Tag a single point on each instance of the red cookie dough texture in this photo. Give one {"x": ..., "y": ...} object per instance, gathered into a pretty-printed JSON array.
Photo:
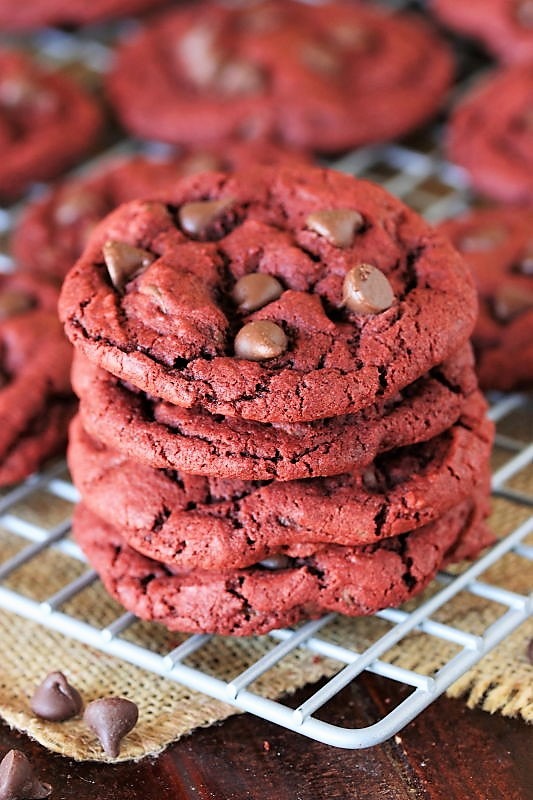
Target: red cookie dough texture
[
  {"x": 36, "y": 402},
  {"x": 497, "y": 244},
  {"x": 349, "y": 580},
  {"x": 505, "y": 27},
  {"x": 53, "y": 230},
  {"x": 326, "y": 77},
  {"x": 215, "y": 523},
  {"x": 47, "y": 122},
  {"x": 169, "y": 328},
  {"x": 490, "y": 135},
  {"x": 24, "y": 16}
]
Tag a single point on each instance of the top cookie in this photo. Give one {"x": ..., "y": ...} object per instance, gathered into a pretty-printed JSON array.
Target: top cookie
[
  {"x": 327, "y": 77},
  {"x": 491, "y": 135},
  {"x": 25, "y": 16},
  {"x": 46, "y": 123},
  {"x": 505, "y": 27},
  {"x": 53, "y": 230},
  {"x": 497, "y": 244},
  {"x": 275, "y": 295}
]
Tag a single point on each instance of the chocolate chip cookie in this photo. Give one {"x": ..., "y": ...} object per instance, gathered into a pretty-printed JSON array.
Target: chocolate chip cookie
[
  {"x": 53, "y": 230},
  {"x": 491, "y": 135},
  {"x": 497, "y": 244},
  {"x": 275, "y": 295},
  {"x": 161, "y": 435},
  {"x": 46, "y": 123},
  {"x": 36, "y": 402},
  {"x": 217, "y": 523},
  {"x": 326, "y": 77},
  {"x": 505, "y": 27},
  {"x": 349, "y": 580}
]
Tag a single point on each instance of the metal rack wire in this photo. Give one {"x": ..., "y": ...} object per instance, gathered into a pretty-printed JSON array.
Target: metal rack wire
[{"x": 416, "y": 172}]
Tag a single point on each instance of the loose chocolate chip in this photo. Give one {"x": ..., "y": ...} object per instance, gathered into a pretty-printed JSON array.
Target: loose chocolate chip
[
  {"x": 55, "y": 699},
  {"x": 123, "y": 261},
  {"x": 366, "y": 290},
  {"x": 255, "y": 291},
  {"x": 239, "y": 77},
  {"x": 201, "y": 162},
  {"x": 260, "y": 340},
  {"x": 111, "y": 718},
  {"x": 338, "y": 225},
  {"x": 524, "y": 13},
  {"x": 510, "y": 301},
  {"x": 13, "y": 302},
  {"x": 17, "y": 779},
  {"x": 195, "y": 218},
  {"x": 482, "y": 239},
  {"x": 275, "y": 562}
]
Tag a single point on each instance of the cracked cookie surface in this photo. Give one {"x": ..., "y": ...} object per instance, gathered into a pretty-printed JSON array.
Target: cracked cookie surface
[
  {"x": 490, "y": 135},
  {"x": 152, "y": 298},
  {"x": 36, "y": 400},
  {"x": 47, "y": 122},
  {"x": 497, "y": 244},
  {"x": 353, "y": 581},
  {"x": 161, "y": 435},
  {"x": 326, "y": 77},
  {"x": 215, "y": 523}
]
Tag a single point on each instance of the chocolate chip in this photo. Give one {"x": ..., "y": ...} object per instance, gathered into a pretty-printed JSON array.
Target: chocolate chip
[
  {"x": 239, "y": 77},
  {"x": 13, "y": 302},
  {"x": 17, "y": 779},
  {"x": 123, "y": 261},
  {"x": 524, "y": 13},
  {"x": 482, "y": 239},
  {"x": 352, "y": 37},
  {"x": 255, "y": 291},
  {"x": 201, "y": 162},
  {"x": 111, "y": 718},
  {"x": 55, "y": 699},
  {"x": 524, "y": 264},
  {"x": 510, "y": 301},
  {"x": 260, "y": 340},
  {"x": 320, "y": 58},
  {"x": 196, "y": 217},
  {"x": 366, "y": 290},
  {"x": 337, "y": 225},
  {"x": 275, "y": 562},
  {"x": 76, "y": 204},
  {"x": 201, "y": 54}
]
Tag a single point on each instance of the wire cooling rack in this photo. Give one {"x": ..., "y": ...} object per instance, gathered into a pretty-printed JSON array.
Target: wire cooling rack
[{"x": 415, "y": 171}]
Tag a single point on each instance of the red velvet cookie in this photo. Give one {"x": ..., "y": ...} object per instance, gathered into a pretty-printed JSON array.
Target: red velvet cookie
[
  {"x": 215, "y": 523},
  {"x": 46, "y": 123},
  {"x": 491, "y": 135},
  {"x": 326, "y": 77},
  {"x": 275, "y": 295},
  {"x": 497, "y": 244},
  {"x": 52, "y": 232},
  {"x": 349, "y": 580},
  {"x": 505, "y": 27},
  {"x": 23, "y": 16},
  {"x": 36, "y": 402},
  {"x": 194, "y": 441}
]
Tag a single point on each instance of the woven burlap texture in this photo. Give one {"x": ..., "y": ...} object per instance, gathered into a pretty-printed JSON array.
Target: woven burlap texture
[{"x": 502, "y": 682}]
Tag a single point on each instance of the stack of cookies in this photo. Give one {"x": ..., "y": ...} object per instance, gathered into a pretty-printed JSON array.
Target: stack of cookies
[{"x": 278, "y": 414}]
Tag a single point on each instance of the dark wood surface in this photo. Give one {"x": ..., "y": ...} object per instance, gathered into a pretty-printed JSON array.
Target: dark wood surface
[{"x": 448, "y": 753}]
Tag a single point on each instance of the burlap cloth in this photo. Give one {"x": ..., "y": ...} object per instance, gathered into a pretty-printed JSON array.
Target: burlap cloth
[{"x": 502, "y": 682}]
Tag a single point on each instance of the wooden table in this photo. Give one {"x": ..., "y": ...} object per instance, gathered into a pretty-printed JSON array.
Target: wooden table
[{"x": 447, "y": 753}]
